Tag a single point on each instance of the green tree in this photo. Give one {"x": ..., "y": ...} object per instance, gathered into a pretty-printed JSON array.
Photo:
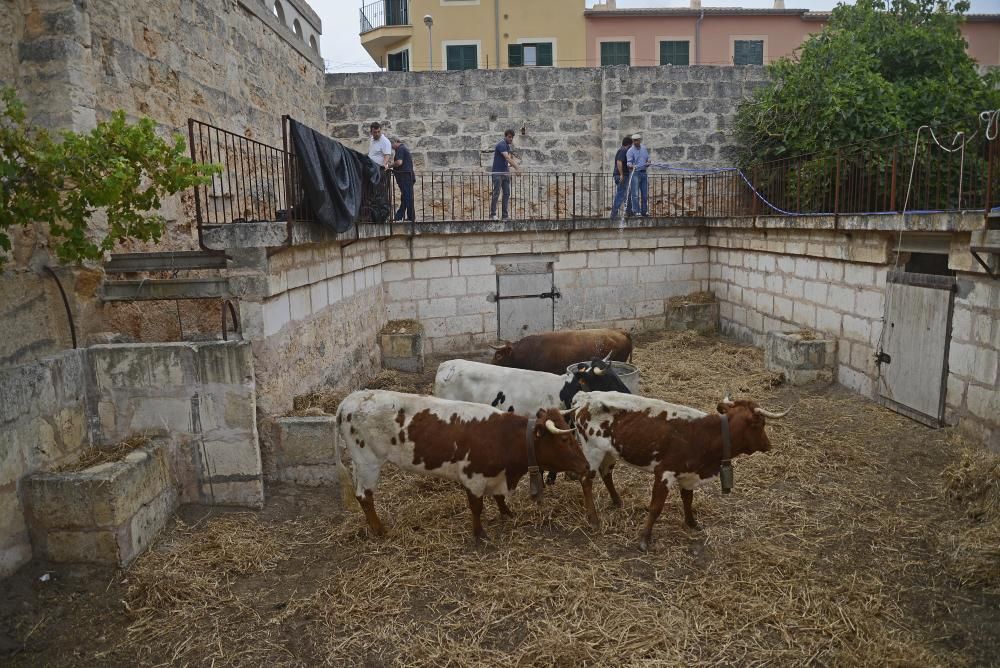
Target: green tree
[
  {"x": 878, "y": 68},
  {"x": 122, "y": 169}
]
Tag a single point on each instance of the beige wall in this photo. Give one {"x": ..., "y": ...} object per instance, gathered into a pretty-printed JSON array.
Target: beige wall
[
  {"x": 781, "y": 35},
  {"x": 474, "y": 21}
]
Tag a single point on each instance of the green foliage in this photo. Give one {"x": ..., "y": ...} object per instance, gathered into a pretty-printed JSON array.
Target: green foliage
[
  {"x": 121, "y": 169},
  {"x": 878, "y": 68}
]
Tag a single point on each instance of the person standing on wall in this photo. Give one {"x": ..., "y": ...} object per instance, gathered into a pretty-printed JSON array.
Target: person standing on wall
[
  {"x": 503, "y": 160},
  {"x": 380, "y": 152},
  {"x": 638, "y": 161},
  {"x": 405, "y": 178},
  {"x": 620, "y": 172},
  {"x": 379, "y": 147}
]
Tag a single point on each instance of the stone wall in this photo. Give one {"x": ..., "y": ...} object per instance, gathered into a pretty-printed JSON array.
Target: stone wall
[
  {"x": 43, "y": 424},
  {"x": 621, "y": 278},
  {"x": 973, "y": 397},
  {"x": 198, "y": 400},
  {"x": 315, "y": 324},
  {"x": 573, "y": 119}
]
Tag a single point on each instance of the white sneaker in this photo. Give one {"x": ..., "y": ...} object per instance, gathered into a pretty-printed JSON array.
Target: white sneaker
[{"x": 494, "y": 217}]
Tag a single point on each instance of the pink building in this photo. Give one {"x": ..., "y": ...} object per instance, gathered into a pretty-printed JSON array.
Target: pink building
[{"x": 728, "y": 35}]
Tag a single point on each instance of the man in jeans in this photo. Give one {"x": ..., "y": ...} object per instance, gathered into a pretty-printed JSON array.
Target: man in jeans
[
  {"x": 620, "y": 172},
  {"x": 403, "y": 169},
  {"x": 501, "y": 174},
  {"x": 638, "y": 162}
]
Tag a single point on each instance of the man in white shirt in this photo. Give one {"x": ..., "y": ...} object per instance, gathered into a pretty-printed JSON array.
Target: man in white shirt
[{"x": 379, "y": 147}]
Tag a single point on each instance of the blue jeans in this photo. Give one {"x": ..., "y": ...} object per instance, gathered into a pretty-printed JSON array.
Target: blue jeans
[
  {"x": 500, "y": 182},
  {"x": 621, "y": 187},
  {"x": 405, "y": 182},
  {"x": 640, "y": 184}
]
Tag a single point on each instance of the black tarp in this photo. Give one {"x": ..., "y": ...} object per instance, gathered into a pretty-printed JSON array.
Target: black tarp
[{"x": 333, "y": 177}]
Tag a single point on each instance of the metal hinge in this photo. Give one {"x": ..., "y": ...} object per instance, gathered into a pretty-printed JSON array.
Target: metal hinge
[{"x": 493, "y": 297}]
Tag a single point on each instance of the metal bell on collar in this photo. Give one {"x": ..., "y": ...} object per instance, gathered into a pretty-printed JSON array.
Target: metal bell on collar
[{"x": 726, "y": 477}]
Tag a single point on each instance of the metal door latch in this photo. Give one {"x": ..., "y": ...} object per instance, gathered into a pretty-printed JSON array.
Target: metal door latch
[{"x": 882, "y": 357}]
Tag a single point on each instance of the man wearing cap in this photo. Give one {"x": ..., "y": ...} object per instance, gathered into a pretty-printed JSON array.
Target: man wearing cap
[{"x": 638, "y": 162}]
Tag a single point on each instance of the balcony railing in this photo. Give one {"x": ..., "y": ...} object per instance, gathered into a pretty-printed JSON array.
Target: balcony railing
[{"x": 375, "y": 15}]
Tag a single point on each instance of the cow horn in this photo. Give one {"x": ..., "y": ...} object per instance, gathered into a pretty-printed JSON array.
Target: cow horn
[
  {"x": 568, "y": 411},
  {"x": 727, "y": 401},
  {"x": 769, "y": 414},
  {"x": 553, "y": 429},
  {"x": 498, "y": 347},
  {"x": 607, "y": 359}
]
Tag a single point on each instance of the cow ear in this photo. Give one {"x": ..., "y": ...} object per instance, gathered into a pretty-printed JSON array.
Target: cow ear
[
  {"x": 540, "y": 413},
  {"x": 722, "y": 407}
]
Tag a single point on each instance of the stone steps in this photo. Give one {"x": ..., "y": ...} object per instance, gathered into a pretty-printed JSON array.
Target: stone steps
[{"x": 123, "y": 263}]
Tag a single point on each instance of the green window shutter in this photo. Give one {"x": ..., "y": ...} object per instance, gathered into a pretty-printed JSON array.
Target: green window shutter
[
  {"x": 544, "y": 54},
  {"x": 748, "y": 52},
  {"x": 615, "y": 53},
  {"x": 675, "y": 53},
  {"x": 462, "y": 57},
  {"x": 515, "y": 55}
]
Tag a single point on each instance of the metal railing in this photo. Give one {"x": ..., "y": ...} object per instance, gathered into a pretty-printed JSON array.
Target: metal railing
[{"x": 375, "y": 15}]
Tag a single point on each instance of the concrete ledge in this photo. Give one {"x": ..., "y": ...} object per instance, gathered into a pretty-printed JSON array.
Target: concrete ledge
[
  {"x": 256, "y": 234},
  {"x": 802, "y": 359},
  {"x": 106, "y": 514},
  {"x": 300, "y": 450}
]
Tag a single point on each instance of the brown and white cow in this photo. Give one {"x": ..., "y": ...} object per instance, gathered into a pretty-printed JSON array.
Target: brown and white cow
[
  {"x": 680, "y": 446},
  {"x": 483, "y": 448},
  {"x": 555, "y": 351}
]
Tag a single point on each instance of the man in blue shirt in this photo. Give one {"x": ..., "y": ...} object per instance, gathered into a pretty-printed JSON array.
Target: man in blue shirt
[
  {"x": 620, "y": 172},
  {"x": 405, "y": 178},
  {"x": 500, "y": 174},
  {"x": 638, "y": 162}
]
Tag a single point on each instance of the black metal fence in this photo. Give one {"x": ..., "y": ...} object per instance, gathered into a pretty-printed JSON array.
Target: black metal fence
[{"x": 375, "y": 15}]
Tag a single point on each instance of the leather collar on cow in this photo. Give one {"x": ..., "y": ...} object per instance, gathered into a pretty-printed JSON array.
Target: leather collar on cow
[
  {"x": 726, "y": 471},
  {"x": 534, "y": 473}
]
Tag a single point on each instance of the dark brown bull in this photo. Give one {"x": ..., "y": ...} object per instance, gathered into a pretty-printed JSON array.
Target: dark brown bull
[{"x": 554, "y": 351}]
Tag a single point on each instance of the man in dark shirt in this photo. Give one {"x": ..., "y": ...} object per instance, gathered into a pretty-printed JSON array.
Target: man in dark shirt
[
  {"x": 500, "y": 173},
  {"x": 405, "y": 178},
  {"x": 620, "y": 171}
]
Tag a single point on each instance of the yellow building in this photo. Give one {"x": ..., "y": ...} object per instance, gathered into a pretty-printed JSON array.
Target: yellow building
[{"x": 418, "y": 35}]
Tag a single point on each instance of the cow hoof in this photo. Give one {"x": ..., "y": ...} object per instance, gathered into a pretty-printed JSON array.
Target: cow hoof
[
  {"x": 644, "y": 544},
  {"x": 617, "y": 503},
  {"x": 595, "y": 523},
  {"x": 694, "y": 526}
]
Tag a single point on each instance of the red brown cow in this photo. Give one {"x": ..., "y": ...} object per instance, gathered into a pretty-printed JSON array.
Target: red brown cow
[
  {"x": 485, "y": 449},
  {"x": 554, "y": 351},
  {"x": 680, "y": 446}
]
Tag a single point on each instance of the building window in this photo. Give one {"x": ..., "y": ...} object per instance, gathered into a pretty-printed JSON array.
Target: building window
[
  {"x": 313, "y": 43},
  {"x": 616, "y": 53},
  {"x": 279, "y": 11},
  {"x": 399, "y": 62},
  {"x": 675, "y": 52},
  {"x": 462, "y": 56},
  {"x": 748, "y": 52},
  {"x": 530, "y": 55},
  {"x": 297, "y": 29}
]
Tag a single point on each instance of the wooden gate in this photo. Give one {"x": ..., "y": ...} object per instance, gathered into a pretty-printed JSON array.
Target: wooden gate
[
  {"x": 914, "y": 358},
  {"x": 525, "y": 298}
]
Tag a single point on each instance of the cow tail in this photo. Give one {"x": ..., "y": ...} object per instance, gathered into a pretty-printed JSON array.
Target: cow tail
[{"x": 346, "y": 480}]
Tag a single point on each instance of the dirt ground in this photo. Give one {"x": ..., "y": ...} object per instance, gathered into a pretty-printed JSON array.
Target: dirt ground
[{"x": 840, "y": 546}]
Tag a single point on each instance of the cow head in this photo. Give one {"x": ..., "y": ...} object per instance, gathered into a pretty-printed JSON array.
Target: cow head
[
  {"x": 502, "y": 354},
  {"x": 556, "y": 447},
  {"x": 746, "y": 425},
  {"x": 597, "y": 376}
]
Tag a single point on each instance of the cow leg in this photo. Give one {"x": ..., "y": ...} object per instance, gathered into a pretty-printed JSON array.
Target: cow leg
[
  {"x": 607, "y": 466},
  {"x": 476, "y": 506},
  {"x": 687, "y": 495},
  {"x": 368, "y": 506},
  {"x": 502, "y": 505},
  {"x": 550, "y": 479},
  {"x": 655, "y": 507},
  {"x": 587, "y": 482}
]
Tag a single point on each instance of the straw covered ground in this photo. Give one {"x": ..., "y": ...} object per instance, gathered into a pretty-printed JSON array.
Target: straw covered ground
[{"x": 861, "y": 539}]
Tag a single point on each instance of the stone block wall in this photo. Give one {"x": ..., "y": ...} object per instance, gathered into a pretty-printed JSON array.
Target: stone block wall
[
  {"x": 573, "y": 119},
  {"x": 200, "y": 398},
  {"x": 317, "y": 321},
  {"x": 618, "y": 278},
  {"x": 43, "y": 424},
  {"x": 824, "y": 280},
  {"x": 973, "y": 393}
]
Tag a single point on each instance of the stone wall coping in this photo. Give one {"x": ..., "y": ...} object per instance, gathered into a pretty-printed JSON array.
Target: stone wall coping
[
  {"x": 285, "y": 32},
  {"x": 306, "y": 419}
]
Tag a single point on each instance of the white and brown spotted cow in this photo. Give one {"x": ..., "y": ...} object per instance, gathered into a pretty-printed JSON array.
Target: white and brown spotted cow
[
  {"x": 680, "y": 446},
  {"x": 481, "y": 447}
]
